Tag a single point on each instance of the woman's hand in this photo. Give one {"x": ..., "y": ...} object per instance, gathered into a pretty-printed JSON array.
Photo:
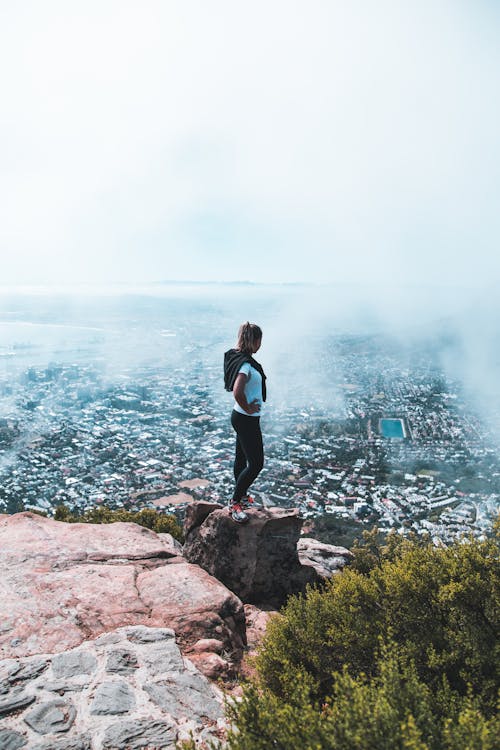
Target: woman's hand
[{"x": 254, "y": 407}]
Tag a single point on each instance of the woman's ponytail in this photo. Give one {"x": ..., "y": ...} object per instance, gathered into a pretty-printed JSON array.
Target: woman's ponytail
[{"x": 248, "y": 335}]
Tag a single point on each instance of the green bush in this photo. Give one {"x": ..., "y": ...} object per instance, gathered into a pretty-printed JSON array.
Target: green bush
[
  {"x": 393, "y": 710},
  {"x": 400, "y": 651},
  {"x": 151, "y": 519}
]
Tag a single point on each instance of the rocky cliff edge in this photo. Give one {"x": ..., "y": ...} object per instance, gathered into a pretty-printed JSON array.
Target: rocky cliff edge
[{"x": 104, "y": 628}]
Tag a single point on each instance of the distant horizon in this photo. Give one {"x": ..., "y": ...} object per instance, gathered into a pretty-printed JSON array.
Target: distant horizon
[{"x": 363, "y": 284}]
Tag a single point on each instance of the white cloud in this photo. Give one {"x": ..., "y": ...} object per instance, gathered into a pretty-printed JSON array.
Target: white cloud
[{"x": 270, "y": 141}]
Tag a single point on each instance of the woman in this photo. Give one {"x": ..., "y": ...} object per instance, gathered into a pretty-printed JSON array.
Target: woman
[{"x": 244, "y": 376}]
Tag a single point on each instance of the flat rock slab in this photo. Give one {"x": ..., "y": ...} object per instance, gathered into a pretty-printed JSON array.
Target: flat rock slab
[
  {"x": 164, "y": 657},
  {"x": 140, "y": 734},
  {"x": 64, "y": 583},
  {"x": 19, "y": 674},
  {"x": 155, "y": 704},
  {"x": 122, "y": 662},
  {"x": 73, "y": 663},
  {"x": 113, "y": 698},
  {"x": 82, "y": 742},
  {"x": 14, "y": 701},
  {"x": 10, "y": 740},
  {"x": 51, "y": 717},
  {"x": 183, "y": 694}
]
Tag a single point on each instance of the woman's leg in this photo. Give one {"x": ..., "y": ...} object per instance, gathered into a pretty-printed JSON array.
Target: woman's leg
[
  {"x": 240, "y": 460},
  {"x": 250, "y": 440}
]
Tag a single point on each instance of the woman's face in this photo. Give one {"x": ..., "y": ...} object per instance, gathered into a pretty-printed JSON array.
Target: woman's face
[{"x": 256, "y": 345}]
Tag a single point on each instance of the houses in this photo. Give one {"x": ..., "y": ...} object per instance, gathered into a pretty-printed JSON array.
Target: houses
[{"x": 158, "y": 437}]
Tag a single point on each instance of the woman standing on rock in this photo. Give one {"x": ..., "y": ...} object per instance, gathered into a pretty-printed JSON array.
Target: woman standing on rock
[{"x": 244, "y": 376}]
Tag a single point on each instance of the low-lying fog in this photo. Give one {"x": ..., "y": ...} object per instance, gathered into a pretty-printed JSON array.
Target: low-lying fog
[{"x": 190, "y": 326}]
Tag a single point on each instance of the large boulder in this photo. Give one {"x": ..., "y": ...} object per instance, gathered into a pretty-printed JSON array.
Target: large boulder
[
  {"x": 257, "y": 560},
  {"x": 64, "y": 583}
]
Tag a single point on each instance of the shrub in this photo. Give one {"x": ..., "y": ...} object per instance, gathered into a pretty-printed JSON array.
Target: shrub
[
  {"x": 393, "y": 710},
  {"x": 440, "y": 605},
  {"x": 151, "y": 519},
  {"x": 400, "y": 651}
]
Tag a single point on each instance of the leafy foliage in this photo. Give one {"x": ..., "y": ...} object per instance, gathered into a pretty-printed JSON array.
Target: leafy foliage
[
  {"x": 400, "y": 651},
  {"x": 391, "y": 711},
  {"x": 151, "y": 519}
]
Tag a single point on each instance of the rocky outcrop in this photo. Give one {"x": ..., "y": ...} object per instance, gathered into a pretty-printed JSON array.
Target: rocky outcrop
[
  {"x": 108, "y": 632},
  {"x": 130, "y": 688},
  {"x": 326, "y": 559},
  {"x": 64, "y": 583},
  {"x": 257, "y": 560}
]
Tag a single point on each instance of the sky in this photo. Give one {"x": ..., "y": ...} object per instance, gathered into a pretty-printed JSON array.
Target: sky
[{"x": 323, "y": 141}]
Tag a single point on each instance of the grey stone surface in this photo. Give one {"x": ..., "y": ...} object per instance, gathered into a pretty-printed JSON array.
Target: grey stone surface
[
  {"x": 113, "y": 698},
  {"x": 72, "y": 663},
  {"x": 78, "y": 742},
  {"x": 14, "y": 701},
  {"x": 142, "y": 634},
  {"x": 66, "y": 722},
  {"x": 183, "y": 694},
  {"x": 11, "y": 740},
  {"x": 134, "y": 735},
  {"x": 52, "y": 717},
  {"x": 107, "y": 639},
  {"x": 20, "y": 672},
  {"x": 6, "y": 665},
  {"x": 74, "y": 685},
  {"x": 122, "y": 661},
  {"x": 164, "y": 658}
]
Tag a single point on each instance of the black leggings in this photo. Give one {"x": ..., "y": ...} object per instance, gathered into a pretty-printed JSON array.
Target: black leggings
[{"x": 249, "y": 458}]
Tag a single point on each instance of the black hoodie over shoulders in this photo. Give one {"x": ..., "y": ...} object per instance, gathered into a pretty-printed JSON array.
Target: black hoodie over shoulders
[{"x": 233, "y": 359}]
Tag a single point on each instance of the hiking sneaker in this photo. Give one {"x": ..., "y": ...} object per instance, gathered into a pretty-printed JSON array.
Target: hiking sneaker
[
  {"x": 248, "y": 502},
  {"x": 237, "y": 513}
]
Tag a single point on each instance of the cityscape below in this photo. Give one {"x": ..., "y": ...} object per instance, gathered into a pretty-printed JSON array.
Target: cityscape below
[{"x": 129, "y": 410}]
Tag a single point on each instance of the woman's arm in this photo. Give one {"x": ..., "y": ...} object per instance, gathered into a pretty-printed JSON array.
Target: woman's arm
[{"x": 239, "y": 395}]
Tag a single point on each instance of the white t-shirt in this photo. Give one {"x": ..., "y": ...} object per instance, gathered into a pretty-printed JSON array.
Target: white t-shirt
[{"x": 253, "y": 389}]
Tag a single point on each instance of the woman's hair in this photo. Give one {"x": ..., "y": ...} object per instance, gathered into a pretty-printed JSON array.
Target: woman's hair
[{"x": 248, "y": 335}]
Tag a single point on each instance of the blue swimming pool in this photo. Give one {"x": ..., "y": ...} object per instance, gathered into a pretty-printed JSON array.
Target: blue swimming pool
[{"x": 392, "y": 428}]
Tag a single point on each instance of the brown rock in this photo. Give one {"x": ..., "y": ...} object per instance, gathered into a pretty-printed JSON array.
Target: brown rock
[
  {"x": 172, "y": 545},
  {"x": 212, "y": 665},
  {"x": 44, "y": 540},
  {"x": 196, "y": 514},
  {"x": 256, "y": 622},
  {"x": 326, "y": 559},
  {"x": 194, "y": 604},
  {"x": 257, "y": 560},
  {"x": 63, "y": 583},
  {"x": 208, "y": 644}
]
